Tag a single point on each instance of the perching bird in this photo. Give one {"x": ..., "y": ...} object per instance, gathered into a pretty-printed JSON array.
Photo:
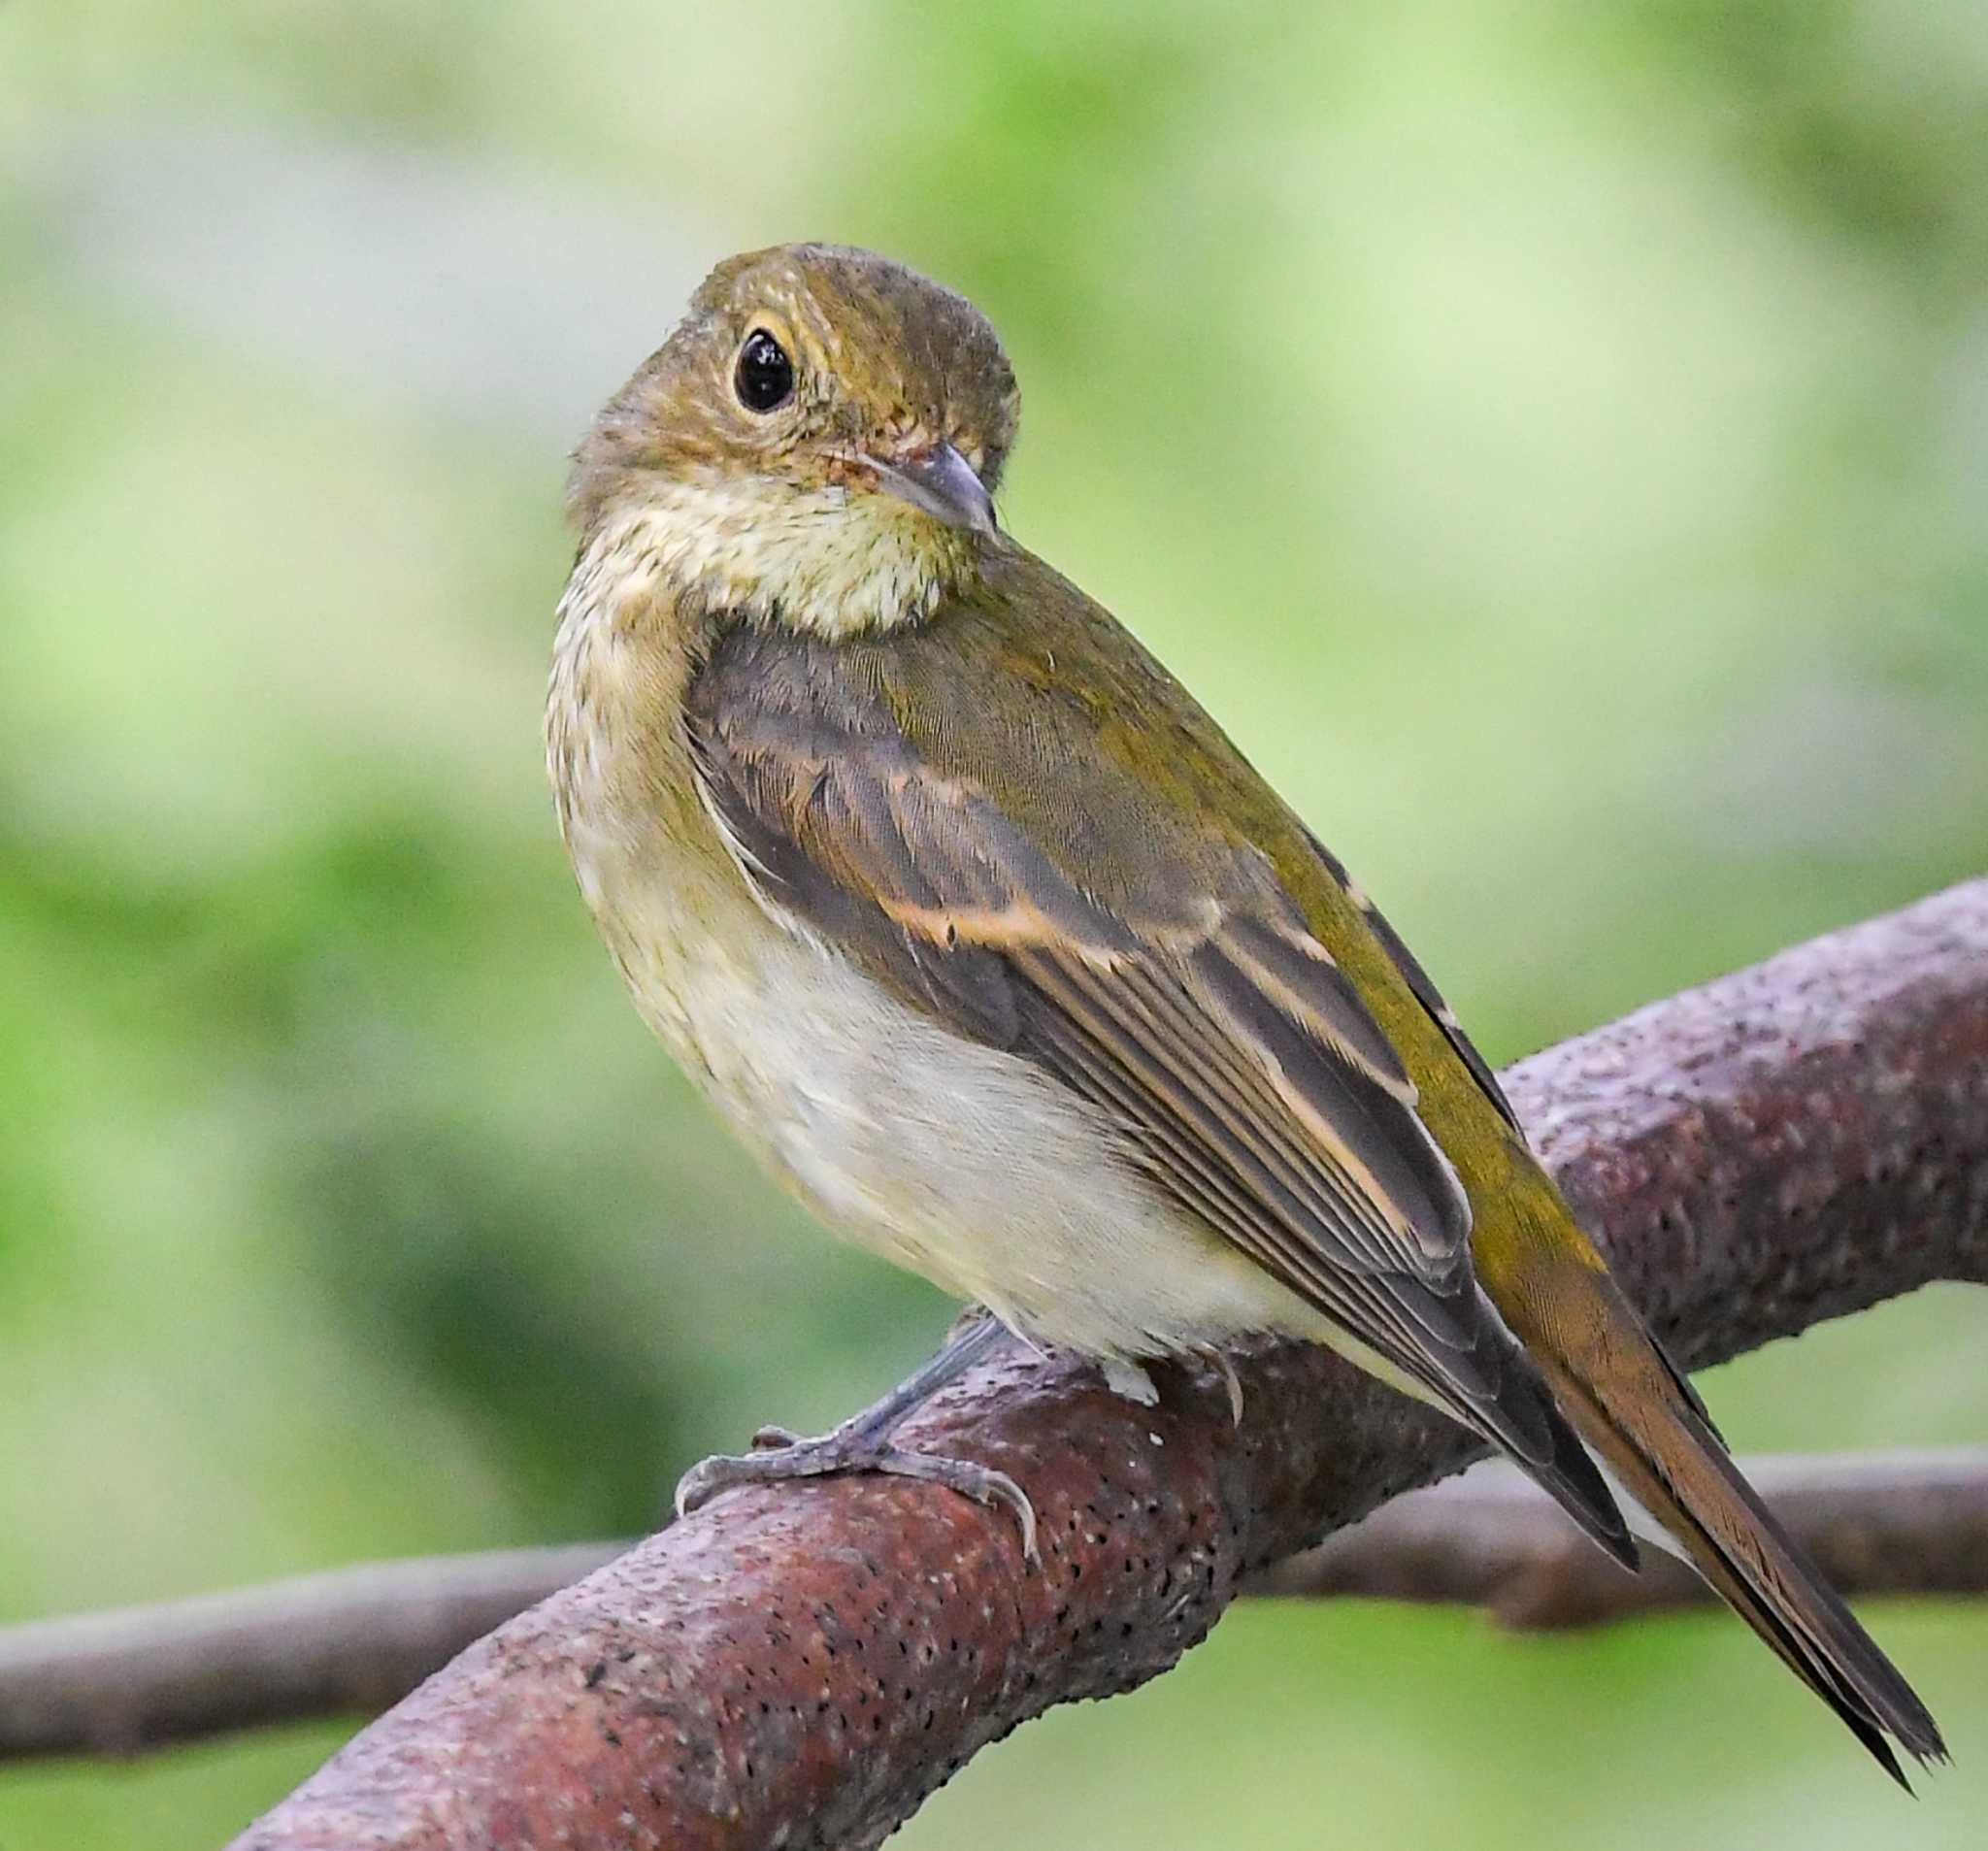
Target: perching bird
[{"x": 982, "y": 935}]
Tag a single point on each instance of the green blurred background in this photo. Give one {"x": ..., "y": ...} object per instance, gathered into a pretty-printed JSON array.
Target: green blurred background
[{"x": 1553, "y": 439}]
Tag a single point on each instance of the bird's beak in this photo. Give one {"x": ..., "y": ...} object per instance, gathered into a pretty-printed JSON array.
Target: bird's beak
[{"x": 939, "y": 481}]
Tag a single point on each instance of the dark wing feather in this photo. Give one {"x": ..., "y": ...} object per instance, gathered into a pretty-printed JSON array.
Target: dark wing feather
[
  {"x": 1238, "y": 1060},
  {"x": 1418, "y": 981}
]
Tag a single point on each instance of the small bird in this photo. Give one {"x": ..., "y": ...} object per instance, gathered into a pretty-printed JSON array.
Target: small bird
[{"x": 979, "y": 931}]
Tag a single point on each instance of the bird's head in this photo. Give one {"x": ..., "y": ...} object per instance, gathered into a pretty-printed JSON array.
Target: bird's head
[{"x": 818, "y": 443}]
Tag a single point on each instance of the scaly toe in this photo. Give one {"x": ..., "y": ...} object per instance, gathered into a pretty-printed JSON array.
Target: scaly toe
[
  {"x": 729, "y": 1470},
  {"x": 780, "y": 1456}
]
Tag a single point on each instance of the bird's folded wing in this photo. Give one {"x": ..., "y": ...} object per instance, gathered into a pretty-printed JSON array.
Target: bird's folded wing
[{"x": 1237, "y": 1061}]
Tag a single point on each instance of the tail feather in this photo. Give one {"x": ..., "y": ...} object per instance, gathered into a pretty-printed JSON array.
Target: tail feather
[
  {"x": 1670, "y": 1460},
  {"x": 1635, "y": 1407}
]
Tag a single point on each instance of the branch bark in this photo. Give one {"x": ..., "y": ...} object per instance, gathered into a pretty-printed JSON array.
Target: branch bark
[{"x": 802, "y": 1666}]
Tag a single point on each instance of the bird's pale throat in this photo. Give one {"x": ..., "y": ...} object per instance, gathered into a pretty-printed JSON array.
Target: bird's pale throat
[{"x": 832, "y": 560}]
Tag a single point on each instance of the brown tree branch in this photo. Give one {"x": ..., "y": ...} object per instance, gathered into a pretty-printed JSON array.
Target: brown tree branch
[
  {"x": 360, "y": 1639},
  {"x": 357, "y": 1639},
  {"x": 801, "y": 1666},
  {"x": 1889, "y": 1523}
]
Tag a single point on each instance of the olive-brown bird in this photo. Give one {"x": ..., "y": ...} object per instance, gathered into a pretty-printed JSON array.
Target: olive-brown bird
[{"x": 991, "y": 944}]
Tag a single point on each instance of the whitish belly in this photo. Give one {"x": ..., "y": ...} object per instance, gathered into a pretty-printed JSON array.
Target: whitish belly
[{"x": 962, "y": 1163}]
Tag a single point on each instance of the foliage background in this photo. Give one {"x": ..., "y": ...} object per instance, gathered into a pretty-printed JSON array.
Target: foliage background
[{"x": 1554, "y": 438}]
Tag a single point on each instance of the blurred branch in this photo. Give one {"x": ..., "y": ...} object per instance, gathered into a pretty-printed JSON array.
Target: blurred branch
[
  {"x": 320, "y": 1645},
  {"x": 1885, "y": 1523},
  {"x": 804, "y": 1664},
  {"x": 362, "y": 1638}
]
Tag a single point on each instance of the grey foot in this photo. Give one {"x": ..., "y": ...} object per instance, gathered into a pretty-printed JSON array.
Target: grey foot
[{"x": 778, "y": 1456}]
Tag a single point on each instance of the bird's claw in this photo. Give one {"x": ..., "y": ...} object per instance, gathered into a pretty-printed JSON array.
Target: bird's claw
[
  {"x": 779, "y": 1455},
  {"x": 1219, "y": 1359}
]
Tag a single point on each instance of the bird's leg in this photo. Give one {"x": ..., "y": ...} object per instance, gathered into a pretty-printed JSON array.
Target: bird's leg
[{"x": 863, "y": 1443}]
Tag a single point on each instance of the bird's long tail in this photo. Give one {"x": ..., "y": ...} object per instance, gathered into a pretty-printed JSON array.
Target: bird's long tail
[{"x": 1636, "y": 1409}]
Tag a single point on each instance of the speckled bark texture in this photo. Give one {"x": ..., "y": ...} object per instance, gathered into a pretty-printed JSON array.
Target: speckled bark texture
[{"x": 800, "y": 1666}]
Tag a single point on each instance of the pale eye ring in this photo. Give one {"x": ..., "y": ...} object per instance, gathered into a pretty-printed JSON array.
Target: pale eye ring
[{"x": 764, "y": 377}]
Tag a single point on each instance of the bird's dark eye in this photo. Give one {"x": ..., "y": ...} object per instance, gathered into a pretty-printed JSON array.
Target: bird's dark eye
[{"x": 765, "y": 377}]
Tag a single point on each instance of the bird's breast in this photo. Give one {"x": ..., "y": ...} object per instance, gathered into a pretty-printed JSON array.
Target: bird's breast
[{"x": 963, "y": 1162}]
